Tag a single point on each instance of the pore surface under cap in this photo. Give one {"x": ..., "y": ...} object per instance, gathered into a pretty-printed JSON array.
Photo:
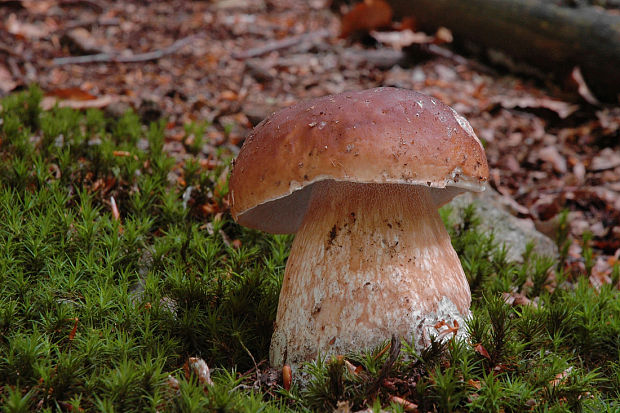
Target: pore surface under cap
[{"x": 382, "y": 135}]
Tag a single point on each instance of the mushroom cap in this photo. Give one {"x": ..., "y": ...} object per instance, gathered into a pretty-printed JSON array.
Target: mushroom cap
[{"x": 381, "y": 135}]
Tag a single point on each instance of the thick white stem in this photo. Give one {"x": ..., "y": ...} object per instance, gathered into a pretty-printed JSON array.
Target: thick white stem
[{"x": 369, "y": 261}]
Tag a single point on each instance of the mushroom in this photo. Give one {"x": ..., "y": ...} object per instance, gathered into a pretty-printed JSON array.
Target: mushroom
[{"x": 359, "y": 177}]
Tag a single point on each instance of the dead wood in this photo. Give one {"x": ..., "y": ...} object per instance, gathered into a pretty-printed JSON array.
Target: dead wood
[
  {"x": 552, "y": 38},
  {"x": 282, "y": 44}
]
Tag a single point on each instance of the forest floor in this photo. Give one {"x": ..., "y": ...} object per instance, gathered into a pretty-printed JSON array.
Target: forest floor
[
  {"x": 123, "y": 277},
  {"x": 223, "y": 66}
]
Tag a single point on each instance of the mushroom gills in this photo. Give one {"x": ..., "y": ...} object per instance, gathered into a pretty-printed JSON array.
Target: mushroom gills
[{"x": 369, "y": 261}]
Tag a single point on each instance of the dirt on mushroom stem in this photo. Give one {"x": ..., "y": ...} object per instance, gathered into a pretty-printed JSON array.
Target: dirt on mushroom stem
[{"x": 369, "y": 261}]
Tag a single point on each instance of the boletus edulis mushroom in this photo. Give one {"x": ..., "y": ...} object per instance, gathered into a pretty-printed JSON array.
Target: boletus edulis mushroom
[{"x": 359, "y": 177}]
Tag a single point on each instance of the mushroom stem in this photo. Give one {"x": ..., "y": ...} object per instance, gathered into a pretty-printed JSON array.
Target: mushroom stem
[{"x": 369, "y": 261}]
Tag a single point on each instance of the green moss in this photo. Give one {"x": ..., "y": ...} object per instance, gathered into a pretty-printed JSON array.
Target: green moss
[{"x": 100, "y": 313}]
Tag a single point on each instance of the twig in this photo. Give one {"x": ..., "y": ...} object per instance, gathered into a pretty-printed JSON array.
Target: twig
[
  {"x": 116, "y": 58},
  {"x": 282, "y": 44},
  {"x": 201, "y": 369},
  {"x": 257, "y": 383},
  {"x": 457, "y": 58}
]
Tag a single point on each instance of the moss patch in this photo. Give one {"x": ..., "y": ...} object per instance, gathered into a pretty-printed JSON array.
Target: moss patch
[{"x": 118, "y": 263}]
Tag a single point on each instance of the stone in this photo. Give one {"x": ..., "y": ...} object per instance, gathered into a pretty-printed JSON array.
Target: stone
[{"x": 513, "y": 232}]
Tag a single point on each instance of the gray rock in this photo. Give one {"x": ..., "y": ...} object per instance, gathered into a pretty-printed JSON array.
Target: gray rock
[{"x": 493, "y": 210}]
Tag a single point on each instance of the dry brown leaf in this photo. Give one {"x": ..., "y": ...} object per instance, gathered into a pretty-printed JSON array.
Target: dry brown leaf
[
  {"x": 579, "y": 171},
  {"x": 582, "y": 87},
  {"x": 115, "y": 213},
  {"x": 38, "y": 6},
  {"x": 26, "y": 30},
  {"x": 71, "y": 93},
  {"x": 400, "y": 39},
  {"x": 173, "y": 383},
  {"x": 366, "y": 16},
  {"x": 7, "y": 83},
  {"x": 351, "y": 367},
  {"x": 608, "y": 158},
  {"x": 440, "y": 324},
  {"x": 48, "y": 102},
  {"x": 551, "y": 155},
  {"x": 482, "y": 351},
  {"x": 474, "y": 383},
  {"x": 406, "y": 404},
  {"x": 443, "y": 35},
  {"x": 448, "y": 330},
  {"x": 514, "y": 298},
  {"x": 200, "y": 368},
  {"x": 82, "y": 40},
  {"x": 563, "y": 109},
  {"x": 74, "y": 329},
  {"x": 560, "y": 377}
]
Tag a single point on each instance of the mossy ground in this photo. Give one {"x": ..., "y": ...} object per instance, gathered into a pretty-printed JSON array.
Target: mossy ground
[{"x": 100, "y": 311}]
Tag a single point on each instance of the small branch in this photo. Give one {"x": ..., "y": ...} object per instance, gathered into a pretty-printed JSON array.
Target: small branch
[
  {"x": 282, "y": 44},
  {"x": 257, "y": 383},
  {"x": 115, "y": 58},
  {"x": 458, "y": 59}
]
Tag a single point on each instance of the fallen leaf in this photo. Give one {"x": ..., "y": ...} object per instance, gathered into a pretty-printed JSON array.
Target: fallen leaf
[
  {"x": 443, "y": 35},
  {"x": 563, "y": 109},
  {"x": 401, "y": 39},
  {"x": 173, "y": 383},
  {"x": 482, "y": 351},
  {"x": 389, "y": 384},
  {"x": 48, "y": 103},
  {"x": 38, "y": 6},
  {"x": 201, "y": 369},
  {"x": 81, "y": 41},
  {"x": 406, "y": 404},
  {"x": 74, "y": 329},
  {"x": 579, "y": 170},
  {"x": 72, "y": 93},
  {"x": 582, "y": 87},
  {"x": 115, "y": 213},
  {"x": 514, "y": 298},
  {"x": 561, "y": 377},
  {"x": 474, "y": 383},
  {"x": 608, "y": 158},
  {"x": 27, "y": 30},
  {"x": 448, "y": 330},
  {"x": 7, "y": 83},
  {"x": 551, "y": 155},
  {"x": 354, "y": 370},
  {"x": 366, "y": 16},
  {"x": 343, "y": 406}
]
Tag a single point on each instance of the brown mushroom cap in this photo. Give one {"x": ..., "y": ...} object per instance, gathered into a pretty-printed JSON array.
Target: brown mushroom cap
[{"x": 382, "y": 135}]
